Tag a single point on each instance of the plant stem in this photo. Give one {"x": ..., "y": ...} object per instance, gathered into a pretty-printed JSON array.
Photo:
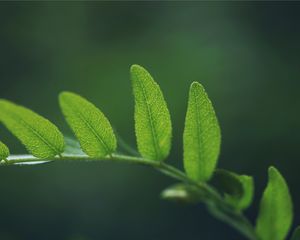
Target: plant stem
[{"x": 215, "y": 203}]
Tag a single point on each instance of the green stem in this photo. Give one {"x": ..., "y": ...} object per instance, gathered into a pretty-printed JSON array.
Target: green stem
[{"x": 215, "y": 203}]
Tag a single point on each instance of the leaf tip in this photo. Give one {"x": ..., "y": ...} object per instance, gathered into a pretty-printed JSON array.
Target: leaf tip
[
  {"x": 273, "y": 172},
  {"x": 135, "y": 67},
  {"x": 197, "y": 87},
  {"x": 196, "y": 84},
  {"x": 64, "y": 94},
  {"x": 137, "y": 71},
  {"x": 4, "y": 102}
]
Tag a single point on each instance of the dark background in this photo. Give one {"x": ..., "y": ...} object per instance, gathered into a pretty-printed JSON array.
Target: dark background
[{"x": 245, "y": 54}]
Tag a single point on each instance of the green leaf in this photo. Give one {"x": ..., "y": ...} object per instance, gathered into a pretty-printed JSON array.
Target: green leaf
[
  {"x": 182, "y": 193},
  {"x": 202, "y": 136},
  {"x": 296, "y": 234},
  {"x": 238, "y": 190},
  {"x": 275, "y": 214},
  {"x": 4, "y": 151},
  {"x": 152, "y": 118},
  {"x": 40, "y": 137},
  {"x": 91, "y": 127}
]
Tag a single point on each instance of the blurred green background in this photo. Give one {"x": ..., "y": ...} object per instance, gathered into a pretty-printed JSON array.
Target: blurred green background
[{"x": 245, "y": 54}]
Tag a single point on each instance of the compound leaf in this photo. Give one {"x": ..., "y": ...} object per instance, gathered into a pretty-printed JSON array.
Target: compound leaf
[
  {"x": 152, "y": 118},
  {"x": 237, "y": 189},
  {"x": 40, "y": 137},
  {"x": 4, "y": 151},
  {"x": 91, "y": 127},
  {"x": 202, "y": 136},
  {"x": 296, "y": 234},
  {"x": 275, "y": 214}
]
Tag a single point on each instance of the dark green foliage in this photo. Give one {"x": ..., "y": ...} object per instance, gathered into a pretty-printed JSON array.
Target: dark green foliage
[{"x": 296, "y": 234}]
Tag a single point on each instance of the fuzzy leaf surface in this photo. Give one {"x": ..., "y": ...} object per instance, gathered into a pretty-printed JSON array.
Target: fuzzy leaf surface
[
  {"x": 202, "y": 135},
  {"x": 276, "y": 209},
  {"x": 152, "y": 118},
  {"x": 40, "y": 137},
  {"x": 4, "y": 151},
  {"x": 90, "y": 126}
]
